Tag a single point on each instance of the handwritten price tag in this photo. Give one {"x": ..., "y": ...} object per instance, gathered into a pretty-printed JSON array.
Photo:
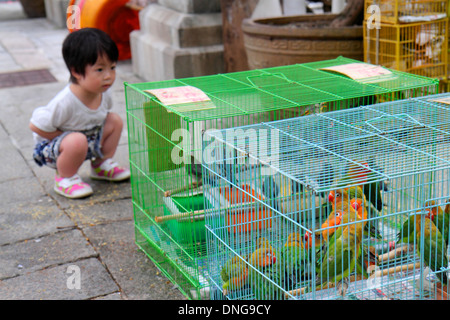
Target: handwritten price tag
[
  {"x": 445, "y": 100},
  {"x": 359, "y": 70},
  {"x": 179, "y": 95}
]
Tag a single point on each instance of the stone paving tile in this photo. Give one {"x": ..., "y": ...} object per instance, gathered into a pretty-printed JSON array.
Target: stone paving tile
[
  {"x": 139, "y": 278},
  {"x": 13, "y": 164},
  {"x": 60, "y": 283},
  {"x": 17, "y": 42},
  {"x": 32, "y": 59},
  {"x": 36, "y": 254},
  {"x": 23, "y": 220},
  {"x": 7, "y": 63},
  {"x": 23, "y": 191},
  {"x": 89, "y": 214}
]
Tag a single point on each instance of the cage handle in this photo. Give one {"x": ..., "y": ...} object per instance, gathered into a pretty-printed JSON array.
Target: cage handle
[
  {"x": 278, "y": 75},
  {"x": 396, "y": 116}
]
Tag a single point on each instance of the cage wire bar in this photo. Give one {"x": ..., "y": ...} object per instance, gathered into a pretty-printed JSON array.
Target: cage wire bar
[
  {"x": 165, "y": 146},
  {"x": 295, "y": 231}
]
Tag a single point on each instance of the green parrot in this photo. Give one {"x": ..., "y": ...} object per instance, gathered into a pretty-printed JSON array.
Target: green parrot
[
  {"x": 234, "y": 275},
  {"x": 356, "y": 192},
  {"x": 340, "y": 216},
  {"x": 360, "y": 175},
  {"x": 282, "y": 275},
  {"x": 357, "y": 208},
  {"x": 442, "y": 219},
  {"x": 434, "y": 248},
  {"x": 408, "y": 231},
  {"x": 367, "y": 255},
  {"x": 293, "y": 261},
  {"x": 340, "y": 258}
]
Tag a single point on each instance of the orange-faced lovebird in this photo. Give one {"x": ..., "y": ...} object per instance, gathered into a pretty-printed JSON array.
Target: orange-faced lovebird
[
  {"x": 272, "y": 281},
  {"x": 434, "y": 250},
  {"x": 234, "y": 274},
  {"x": 261, "y": 260},
  {"x": 340, "y": 258},
  {"x": 441, "y": 218}
]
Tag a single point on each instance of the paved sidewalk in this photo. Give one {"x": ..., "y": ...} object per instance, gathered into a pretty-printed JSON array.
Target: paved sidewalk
[{"x": 45, "y": 239}]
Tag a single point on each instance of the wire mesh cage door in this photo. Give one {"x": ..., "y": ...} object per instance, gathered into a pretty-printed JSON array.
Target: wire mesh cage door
[{"x": 342, "y": 185}]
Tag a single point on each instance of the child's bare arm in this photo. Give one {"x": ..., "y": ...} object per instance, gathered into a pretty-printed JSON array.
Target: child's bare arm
[{"x": 44, "y": 134}]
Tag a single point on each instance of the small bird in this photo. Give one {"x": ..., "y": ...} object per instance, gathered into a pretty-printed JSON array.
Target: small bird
[
  {"x": 271, "y": 192},
  {"x": 441, "y": 218},
  {"x": 407, "y": 233},
  {"x": 294, "y": 260},
  {"x": 313, "y": 240},
  {"x": 284, "y": 273},
  {"x": 345, "y": 214},
  {"x": 367, "y": 255},
  {"x": 434, "y": 250},
  {"x": 340, "y": 258},
  {"x": 358, "y": 201},
  {"x": 262, "y": 257},
  {"x": 334, "y": 218},
  {"x": 234, "y": 275},
  {"x": 361, "y": 174},
  {"x": 260, "y": 260},
  {"x": 339, "y": 200}
]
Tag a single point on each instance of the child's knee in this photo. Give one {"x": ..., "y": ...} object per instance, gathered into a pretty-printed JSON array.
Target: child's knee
[
  {"x": 114, "y": 120},
  {"x": 76, "y": 141}
]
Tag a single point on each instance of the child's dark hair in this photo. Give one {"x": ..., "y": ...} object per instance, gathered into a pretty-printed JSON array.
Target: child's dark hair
[{"x": 82, "y": 48}]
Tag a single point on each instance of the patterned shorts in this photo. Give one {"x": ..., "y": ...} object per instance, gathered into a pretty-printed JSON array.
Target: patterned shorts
[{"x": 47, "y": 151}]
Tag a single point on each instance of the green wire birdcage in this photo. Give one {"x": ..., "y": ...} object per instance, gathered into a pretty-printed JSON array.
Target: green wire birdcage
[
  {"x": 165, "y": 145},
  {"x": 287, "y": 237}
]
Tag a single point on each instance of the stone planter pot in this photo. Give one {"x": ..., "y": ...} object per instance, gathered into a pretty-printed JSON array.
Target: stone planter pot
[
  {"x": 33, "y": 8},
  {"x": 288, "y": 40}
]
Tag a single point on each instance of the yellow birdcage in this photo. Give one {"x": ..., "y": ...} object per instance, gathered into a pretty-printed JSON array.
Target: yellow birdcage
[
  {"x": 405, "y": 11},
  {"x": 419, "y": 48}
]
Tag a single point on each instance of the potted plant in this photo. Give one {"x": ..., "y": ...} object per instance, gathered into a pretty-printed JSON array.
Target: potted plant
[{"x": 305, "y": 38}]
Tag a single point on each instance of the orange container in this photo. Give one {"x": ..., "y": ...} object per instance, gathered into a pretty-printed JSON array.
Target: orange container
[
  {"x": 111, "y": 16},
  {"x": 247, "y": 218}
]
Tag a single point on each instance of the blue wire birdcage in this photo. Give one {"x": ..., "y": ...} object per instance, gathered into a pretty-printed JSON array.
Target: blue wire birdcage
[{"x": 285, "y": 220}]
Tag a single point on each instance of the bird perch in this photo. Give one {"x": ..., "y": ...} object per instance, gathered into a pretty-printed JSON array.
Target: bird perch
[
  {"x": 396, "y": 252},
  {"x": 192, "y": 185}
]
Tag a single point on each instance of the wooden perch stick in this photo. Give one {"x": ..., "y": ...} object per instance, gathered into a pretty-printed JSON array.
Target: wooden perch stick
[
  {"x": 195, "y": 214},
  {"x": 181, "y": 215},
  {"x": 193, "y": 185},
  {"x": 330, "y": 285},
  {"x": 396, "y": 252},
  {"x": 358, "y": 277},
  {"x": 403, "y": 267}
]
